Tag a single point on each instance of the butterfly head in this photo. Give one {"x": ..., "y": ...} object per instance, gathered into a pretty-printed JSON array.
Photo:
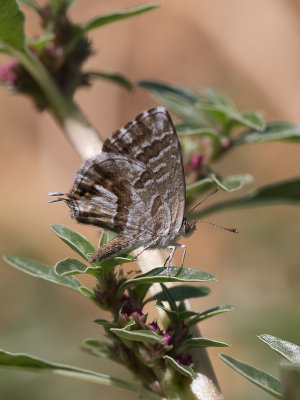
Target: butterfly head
[
  {"x": 187, "y": 227},
  {"x": 73, "y": 199}
]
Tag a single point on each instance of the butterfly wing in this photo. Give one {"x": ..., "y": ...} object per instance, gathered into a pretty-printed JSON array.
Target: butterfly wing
[
  {"x": 135, "y": 186},
  {"x": 107, "y": 192},
  {"x": 151, "y": 139}
]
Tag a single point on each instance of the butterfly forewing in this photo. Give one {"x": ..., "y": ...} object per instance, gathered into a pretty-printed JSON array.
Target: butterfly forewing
[{"x": 151, "y": 139}]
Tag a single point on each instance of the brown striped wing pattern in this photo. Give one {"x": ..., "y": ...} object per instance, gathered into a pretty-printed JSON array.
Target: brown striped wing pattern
[{"x": 135, "y": 186}]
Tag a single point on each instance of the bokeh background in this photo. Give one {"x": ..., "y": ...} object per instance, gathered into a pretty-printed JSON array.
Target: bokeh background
[{"x": 247, "y": 49}]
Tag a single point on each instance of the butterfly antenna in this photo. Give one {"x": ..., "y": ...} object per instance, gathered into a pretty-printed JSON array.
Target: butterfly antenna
[
  {"x": 57, "y": 199},
  {"x": 203, "y": 200},
  {"x": 233, "y": 230}
]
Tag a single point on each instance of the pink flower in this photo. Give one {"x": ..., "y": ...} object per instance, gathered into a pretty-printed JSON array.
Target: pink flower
[{"x": 7, "y": 75}]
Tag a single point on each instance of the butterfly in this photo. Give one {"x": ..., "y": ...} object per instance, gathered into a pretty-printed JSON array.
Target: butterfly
[{"x": 135, "y": 187}]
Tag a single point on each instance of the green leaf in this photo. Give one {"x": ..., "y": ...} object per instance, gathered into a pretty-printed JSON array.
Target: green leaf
[
  {"x": 179, "y": 100},
  {"x": 117, "y": 16},
  {"x": 138, "y": 335},
  {"x": 287, "y": 349},
  {"x": 105, "y": 323},
  {"x": 229, "y": 184},
  {"x": 210, "y": 313},
  {"x": 73, "y": 239},
  {"x": 233, "y": 182},
  {"x": 71, "y": 266},
  {"x": 163, "y": 88},
  {"x": 277, "y": 193},
  {"x": 32, "y": 4},
  {"x": 169, "y": 297},
  {"x": 275, "y": 131},
  {"x": 253, "y": 119},
  {"x": 254, "y": 375},
  {"x": 26, "y": 362},
  {"x": 217, "y": 98},
  {"x": 111, "y": 76},
  {"x": 219, "y": 113},
  {"x": 42, "y": 271},
  {"x": 57, "y": 5},
  {"x": 182, "y": 292},
  {"x": 11, "y": 25},
  {"x": 172, "y": 315},
  {"x": 40, "y": 43},
  {"x": 199, "y": 132},
  {"x": 186, "y": 314},
  {"x": 202, "y": 342},
  {"x": 98, "y": 348},
  {"x": 122, "y": 259},
  {"x": 105, "y": 237},
  {"x": 176, "y": 274},
  {"x": 183, "y": 369}
]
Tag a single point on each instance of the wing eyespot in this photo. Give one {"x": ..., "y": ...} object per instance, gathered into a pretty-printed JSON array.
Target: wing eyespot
[{"x": 81, "y": 192}]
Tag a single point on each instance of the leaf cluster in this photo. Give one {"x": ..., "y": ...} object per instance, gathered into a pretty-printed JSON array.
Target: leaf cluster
[
  {"x": 145, "y": 348},
  {"x": 210, "y": 126},
  {"x": 58, "y": 54}
]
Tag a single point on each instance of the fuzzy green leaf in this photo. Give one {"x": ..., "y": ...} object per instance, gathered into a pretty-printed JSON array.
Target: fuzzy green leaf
[
  {"x": 200, "y": 132},
  {"x": 274, "y": 132},
  {"x": 117, "y": 16},
  {"x": 176, "y": 274},
  {"x": 277, "y": 193},
  {"x": 226, "y": 114},
  {"x": 105, "y": 237},
  {"x": 210, "y": 313},
  {"x": 98, "y": 348},
  {"x": 11, "y": 25},
  {"x": 169, "y": 297},
  {"x": 182, "y": 292},
  {"x": 71, "y": 266},
  {"x": 75, "y": 240},
  {"x": 40, "y": 43},
  {"x": 111, "y": 76},
  {"x": 202, "y": 342},
  {"x": 183, "y": 369},
  {"x": 229, "y": 184},
  {"x": 179, "y": 100},
  {"x": 287, "y": 349},
  {"x": 253, "y": 119},
  {"x": 172, "y": 315},
  {"x": 254, "y": 375},
  {"x": 29, "y": 363},
  {"x": 42, "y": 271},
  {"x": 105, "y": 323},
  {"x": 138, "y": 335},
  {"x": 216, "y": 98},
  {"x": 163, "y": 88},
  {"x": 186, "y": 314}
]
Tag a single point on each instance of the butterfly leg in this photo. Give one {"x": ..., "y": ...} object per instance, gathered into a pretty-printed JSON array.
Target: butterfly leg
[
  {"x": 144, "y": 248},
  {"x": 183, "y": 246},
  {"x": 169, "y": 258}
]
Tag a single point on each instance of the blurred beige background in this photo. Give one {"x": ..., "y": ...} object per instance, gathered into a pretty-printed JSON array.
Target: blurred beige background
[{"x": 248, "y": 49}]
